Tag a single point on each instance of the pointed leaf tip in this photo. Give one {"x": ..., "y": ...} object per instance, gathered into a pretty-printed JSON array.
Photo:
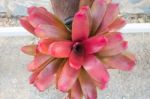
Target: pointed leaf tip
[{"x": 29, "y": 49}]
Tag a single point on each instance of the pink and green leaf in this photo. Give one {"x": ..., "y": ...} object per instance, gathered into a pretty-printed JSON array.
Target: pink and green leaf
[
  {"x": 67, "y": 78},
  {"x": 87, "y": 86},
  {"x": 125, "y": 61},
  {"x": 76, "y": 91},
  {"x": 98, "y": 10},
  {"x": 47, "y": 76},
  {"x": 30, "y": 49},
  {"x": 51, "y": 32},
  {"x": 116, "y": 50},
  {"x": 96, "y": 69}
]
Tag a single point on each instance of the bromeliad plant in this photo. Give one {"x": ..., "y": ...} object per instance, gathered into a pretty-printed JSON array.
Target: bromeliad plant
[{"x": 77, "y": 59}]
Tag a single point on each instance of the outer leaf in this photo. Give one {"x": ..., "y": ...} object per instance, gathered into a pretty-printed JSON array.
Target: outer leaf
[
  {"x": 67, "y": 78},
  {"x": 116, "y": 50},
  {"x": 116, "y": 25},
  {"x": 25, "y": 23},
  {"x": 39, "y": 15},
  {"x": 36, "y": 72},
  {"x": 102, "y": 86},
  {"x": 35, "y": 19},
  {"x": 58, "y": 74},
  {"x": 86, "y": 2},
  {"x": 87, "y": 86},
  {"x": 76, "y": 92},
  {"x": 34, "y": 9},
  {"x": 47, "y": 75},
  {"x": 29, "y": 49},
  {"x": 125, "y": 61},
  {"x": 43, "y": 45},
  {"x": 96, "y": 69},
  {"x": 33, "y": 76},
  {"x": 110, "y": 16},
  {"x": 98, "y": 10},
  {"x": 51, "y": 32},
  {"x": 39, "y": 60},
  {"x": 113, "y": 39}
]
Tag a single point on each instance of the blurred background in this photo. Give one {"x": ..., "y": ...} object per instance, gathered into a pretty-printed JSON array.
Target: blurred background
[
  {"x": 133, "y": 10},
  {"x": 123, "y": 85}
]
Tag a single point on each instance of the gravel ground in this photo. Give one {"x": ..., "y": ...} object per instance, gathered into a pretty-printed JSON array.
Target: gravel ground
[
  {"x": 137, "y": 18},
  {"x": 131, "y": 18}
]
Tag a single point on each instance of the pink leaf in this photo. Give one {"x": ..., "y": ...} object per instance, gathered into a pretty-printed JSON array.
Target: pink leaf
[
  {"x": 116, "y": 50},
  {"x": 76, "y": 92},
  {"x": 39, "y": 15},
  {"x": 110, "y": 16},
  {"x": 125, "y": 61},
  {"x": 39, "y": 60},
  {"x": 98, "y": 11},
  {"x": 29, "y": 49},
  {"x": 117, "y": 24},
  {"x": 96, "y": 69},
  {"x": 94, "y": 44},
  {"x": 43, "y": 45},
  {"x": 113, "y": 39},
  {"x": 87, "y": 86},
  {"x": 60, "y": 49},
  {"x": 81, "y": 25},
  {"x": 51, "y": 32},
  {"x": 75, "y": 60},
  {"x": 67, "y": 78},
  {"x": 25, "y": 23},
  {"x": 47, "y": 76}
]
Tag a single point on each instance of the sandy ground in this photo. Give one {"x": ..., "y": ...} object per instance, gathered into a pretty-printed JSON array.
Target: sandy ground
[{"x": 123, "y": 85}]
